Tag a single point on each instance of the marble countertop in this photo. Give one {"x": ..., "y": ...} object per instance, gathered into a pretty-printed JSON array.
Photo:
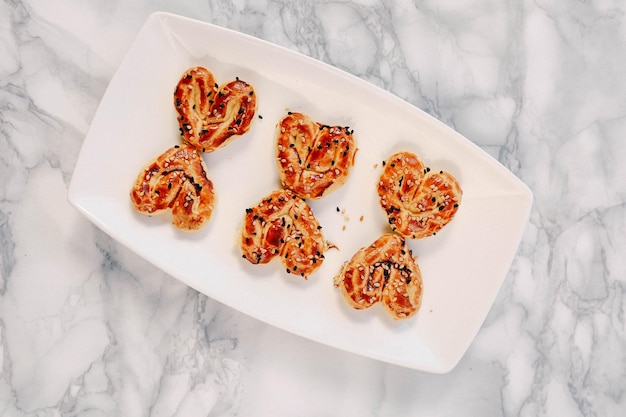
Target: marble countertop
[{"x": 89, "y": 328}]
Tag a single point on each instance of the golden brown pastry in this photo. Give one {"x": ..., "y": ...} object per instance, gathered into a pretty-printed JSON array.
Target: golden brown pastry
[
  {"x": 176, "y": 180},
  {"x": 313, "y": 159},
  {"x": 418, "y": 201},
  {"x": 211, "y": 115},
  {"x": 385, "y": 271},
  {"x": 282, "y": 224}
]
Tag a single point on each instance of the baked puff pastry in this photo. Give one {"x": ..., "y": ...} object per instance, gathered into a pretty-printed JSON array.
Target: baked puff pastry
[
  {"x": 383, "y": 272},
  {"x": 210, "y": 115},
  {"x": 418, "y": 201},
  {"x": 313, "y": 159},
  {"x": 283, "y": 225},
  {"x": 176, "y": 180}
]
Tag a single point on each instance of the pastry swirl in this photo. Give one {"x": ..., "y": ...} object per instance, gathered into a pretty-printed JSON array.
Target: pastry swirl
[
  {"x": 418, "y": 201},
  {"x": 282, "y": 224},
  {"x": 210, "y": 115},
  {"x": 176, "y": 180},
  {"x": 313, "y": 159},
  {"x": 383, "y": 272}
]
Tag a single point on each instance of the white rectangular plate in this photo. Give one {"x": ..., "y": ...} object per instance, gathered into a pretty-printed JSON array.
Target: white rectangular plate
[{"x": 463, "y": 266}]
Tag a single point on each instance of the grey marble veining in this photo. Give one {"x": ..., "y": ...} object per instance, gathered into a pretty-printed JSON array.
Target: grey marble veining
[{"x": 89, "y": 328}]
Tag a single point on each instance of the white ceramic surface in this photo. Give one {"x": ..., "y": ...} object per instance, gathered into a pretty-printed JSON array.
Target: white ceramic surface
[{"x": 463, "y": 266}]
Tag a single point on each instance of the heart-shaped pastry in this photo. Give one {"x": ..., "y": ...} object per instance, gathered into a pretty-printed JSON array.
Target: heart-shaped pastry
[
  {"x": 385, "y": 271},
  {"x": 176, "y": 180},
  {"x": 418, "y": 201},
  {"x": 282, "y": 224},
  {"x": 313, "y": 159},
  {"x": 210, "y": 115}
]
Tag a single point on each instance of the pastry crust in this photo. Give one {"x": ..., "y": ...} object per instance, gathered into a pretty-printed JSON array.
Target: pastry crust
[
  {"x": 282, "y": 224},
  {"x": 383, "y": 272},
  {"x": 418, "y": 201},
  {"x": 210, "y": 115},
  {"x": 176, "y": 180},
  {"x": 313, "y": 159}
]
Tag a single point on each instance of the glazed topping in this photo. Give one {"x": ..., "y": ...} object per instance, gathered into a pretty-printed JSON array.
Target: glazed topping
[
  {"x": 211, "y": 115},
  {"x": 283, "y": 225},
  {"x": 383, "y": 272},
  {"x": 176, "y": 180},
  {"x": 313, "y": 159},
  {"x": 418, "y": 201}
]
